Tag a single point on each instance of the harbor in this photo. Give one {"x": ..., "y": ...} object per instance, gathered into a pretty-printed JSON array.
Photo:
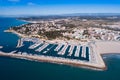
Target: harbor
[
  {"x": 76, "y": 55},
  {"x": 30, "y": 64}
]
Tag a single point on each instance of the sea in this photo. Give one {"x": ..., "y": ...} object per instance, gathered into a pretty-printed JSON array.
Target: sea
[{"x": 20, "y": 69}]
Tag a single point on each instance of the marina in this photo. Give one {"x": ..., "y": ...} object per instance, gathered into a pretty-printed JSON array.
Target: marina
[{"x": 80, "y": 52}]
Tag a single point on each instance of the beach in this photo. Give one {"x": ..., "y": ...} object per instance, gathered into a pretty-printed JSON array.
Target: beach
[
  {"x": 108, "y": 47},
  {"x": 14, "y": 32}
]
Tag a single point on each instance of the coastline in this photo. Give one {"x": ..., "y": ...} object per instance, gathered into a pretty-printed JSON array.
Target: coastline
[
  {"x": 14, "y": 32},
  {"x": 57, "y": 60},
  {"x": 99, "y": 48},
  {"x": 26, "y": 21},
  {"x": 50, "y": 41},
  {"x": 99, "y": 63}
]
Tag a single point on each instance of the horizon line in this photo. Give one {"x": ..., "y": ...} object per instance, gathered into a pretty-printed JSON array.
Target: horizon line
[{"x": 69, "y": 14}]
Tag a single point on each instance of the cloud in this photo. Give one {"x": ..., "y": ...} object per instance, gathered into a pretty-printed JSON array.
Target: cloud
[
  {"x": 14, "y": 0},
  {"x": 31, "y": 4}
]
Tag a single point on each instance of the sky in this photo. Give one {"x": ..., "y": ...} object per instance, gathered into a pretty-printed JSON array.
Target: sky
[{"x": 51, "y": 7}]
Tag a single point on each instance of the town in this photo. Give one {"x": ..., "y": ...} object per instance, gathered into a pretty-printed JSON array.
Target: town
[{"x": 71, "y": 28}]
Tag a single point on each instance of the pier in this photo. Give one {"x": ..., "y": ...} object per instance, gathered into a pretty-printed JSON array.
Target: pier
[
  {"x": 77, "y": 51},
  {"x": 62, "y": 52},
  {"x": 48, "y": 49},
  {"x": 71, "y": 50},
  {"x": 35, "y": 45},
  {"x": 83, "y": 52},
  {"x": 42, "y": 47},
  {"x": 20, "y": 43},
  {"x": 58, "y": 47}
]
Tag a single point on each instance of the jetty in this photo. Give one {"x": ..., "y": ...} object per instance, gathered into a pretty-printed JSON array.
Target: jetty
[{"x": 52, "y": 59}]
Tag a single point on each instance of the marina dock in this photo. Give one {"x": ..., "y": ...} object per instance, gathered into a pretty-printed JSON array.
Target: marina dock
[
  {"x": 77, "y": 52},
  {"x": 71, "y": 50},
  {"x": 20, "y": 43},
  {"x": 42, "y": 47},
  {"x": 62, "y": 52},
  {"x": 58, "y": 47},
  {"x": 35, "y": 45},
  {"x": 48, "y": 49},
  {"x": 83, "y": 52}
]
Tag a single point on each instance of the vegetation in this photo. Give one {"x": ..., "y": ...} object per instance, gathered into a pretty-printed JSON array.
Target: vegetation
[
  {"x": 53, "y": 34},
  {"x": 69, "y": 25}
]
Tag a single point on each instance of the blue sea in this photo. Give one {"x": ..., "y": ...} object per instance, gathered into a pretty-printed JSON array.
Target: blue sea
[{"x": 19, "y": 69}]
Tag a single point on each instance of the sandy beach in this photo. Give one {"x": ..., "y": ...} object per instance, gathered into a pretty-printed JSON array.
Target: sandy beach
[
  {"x": 14, "y": 32},
  {"x": 108, "y": 47}
]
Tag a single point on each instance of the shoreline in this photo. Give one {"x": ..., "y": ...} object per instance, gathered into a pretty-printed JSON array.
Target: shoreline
[
  {"x": 40, "y": 58},
  {"x": 99, "y": 63},
  {"x": 99, "y": 48},
  {"x": 50, "y": 41},
  {"x": 14, "y": 32}
]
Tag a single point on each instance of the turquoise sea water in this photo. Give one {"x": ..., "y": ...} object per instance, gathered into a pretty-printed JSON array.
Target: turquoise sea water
[
  {"x": 8, "y": 40},
  {"x": 17, "y": 69}
]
